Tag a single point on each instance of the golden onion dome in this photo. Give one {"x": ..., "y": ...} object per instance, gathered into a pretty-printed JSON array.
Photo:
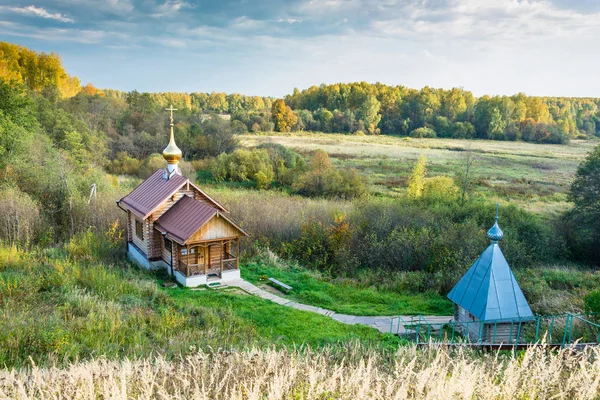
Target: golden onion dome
[{"x": 172, "y": 153}]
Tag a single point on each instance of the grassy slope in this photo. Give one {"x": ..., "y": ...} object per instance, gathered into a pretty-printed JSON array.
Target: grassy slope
[
  {"x": 55, "y": 309},
  {"x": 346, "y": 296},
  {"x": 275, "y": 324},
  {"x": 533, "y": 176}
]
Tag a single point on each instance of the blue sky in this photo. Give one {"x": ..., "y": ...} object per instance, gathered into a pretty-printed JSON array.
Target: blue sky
[{"x": 269, "y": 47}]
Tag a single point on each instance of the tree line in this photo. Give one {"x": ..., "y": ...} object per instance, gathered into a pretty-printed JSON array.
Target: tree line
[
  {"x": 396, "y": 110},
  {"x": 360, "y": 108}
]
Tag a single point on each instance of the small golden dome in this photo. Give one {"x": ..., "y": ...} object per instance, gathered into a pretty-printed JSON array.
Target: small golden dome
[{"x": 172, "y": 153}]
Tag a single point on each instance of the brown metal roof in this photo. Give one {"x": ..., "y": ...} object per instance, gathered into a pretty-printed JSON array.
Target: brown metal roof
[
  {"x": 185, "y": 218},
  {"x": 152, "y": 192}
]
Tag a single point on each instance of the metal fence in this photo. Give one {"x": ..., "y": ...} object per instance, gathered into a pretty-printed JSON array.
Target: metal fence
[{"x": 556, "y": 330}]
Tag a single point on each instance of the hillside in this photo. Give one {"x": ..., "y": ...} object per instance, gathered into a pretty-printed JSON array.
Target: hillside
[
  {"x": 379, "y": 221},
  {"x": 85, "y": 301}
]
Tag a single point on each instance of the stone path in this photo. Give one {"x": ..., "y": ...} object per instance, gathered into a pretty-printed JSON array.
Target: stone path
[{"x": 380, "y": 323}]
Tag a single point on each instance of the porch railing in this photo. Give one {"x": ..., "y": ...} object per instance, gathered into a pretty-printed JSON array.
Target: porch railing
[{"x": 229, "y": 263}]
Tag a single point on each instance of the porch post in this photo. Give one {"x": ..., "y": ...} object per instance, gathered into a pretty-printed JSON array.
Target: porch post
[
  {"x": 206, "y": 261},
  {"x": 237, "y": 253},
  {"x": 187, "y": 258},
  {"x": 221, "y": 260}
]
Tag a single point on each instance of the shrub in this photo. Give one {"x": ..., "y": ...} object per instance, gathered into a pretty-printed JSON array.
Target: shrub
[
  {"x": 262, "y": 181},
  {"x": 345, "y": 184},
  {"x": 287, "y": 164},
  {"x": 322, "y": 179},
  {"x": 592, "y": 303},
  {"x": 19, "y": 217},
  {"x": 440, "y": 188},
  {"x": 423, "y": 132},
  {"x": 244, "y": 165},
  {"x": 123, "y": 164},
  {"x": 150, "y": 165}
]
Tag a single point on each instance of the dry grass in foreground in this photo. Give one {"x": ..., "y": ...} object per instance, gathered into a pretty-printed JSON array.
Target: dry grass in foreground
[{"x": 352, "y": 373}]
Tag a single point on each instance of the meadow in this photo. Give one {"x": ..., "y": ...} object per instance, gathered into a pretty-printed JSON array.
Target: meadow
[{"x": 532, "y": 176}]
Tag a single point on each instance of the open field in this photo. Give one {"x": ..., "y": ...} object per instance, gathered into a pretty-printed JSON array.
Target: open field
[{"x": 533, "y": 176}]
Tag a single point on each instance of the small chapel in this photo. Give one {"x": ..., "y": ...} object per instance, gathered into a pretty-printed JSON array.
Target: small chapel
[
  {"x": 173, "y": 224},
  {"x": 488, "y": 302}
]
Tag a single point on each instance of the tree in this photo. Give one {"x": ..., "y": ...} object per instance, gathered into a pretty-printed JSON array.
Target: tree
[
  {"x": 369, "y": 113},
  {"x": 322, "y": 179},
  {"x": 218, "y": 136},
  {"x": 496, "y": 126},
  {"x": 416, "y": 182},
  {"x": 468, "y": 162},
  {"x": 283, "y": 116},
  {"x": 583, "y": 223},
  {"x": 585, "y": 189}
]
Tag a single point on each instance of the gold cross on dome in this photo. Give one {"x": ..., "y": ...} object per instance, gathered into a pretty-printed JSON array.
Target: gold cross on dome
[{"x": 171, "y": 109}]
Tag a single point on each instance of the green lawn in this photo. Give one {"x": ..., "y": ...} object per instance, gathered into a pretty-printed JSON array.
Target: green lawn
[
  {"x": 276, "y": 324},
  {"x": 346, "y": 296}
]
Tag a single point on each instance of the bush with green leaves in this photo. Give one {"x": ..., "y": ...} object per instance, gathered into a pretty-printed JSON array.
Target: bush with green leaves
[
  {"x": 245, "y": 165},
  {"x": 423, "y": 132},
  {"x": 440, "y": 189},
  {"x": 404, "y": 235},
  {"x": 323, "y": 180},
  {"x": 287, "y": 164},
  {"x": 592, "y": 303}
]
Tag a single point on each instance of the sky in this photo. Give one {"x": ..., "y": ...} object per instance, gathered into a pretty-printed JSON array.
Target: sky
[{"x": 270, "y": 47}]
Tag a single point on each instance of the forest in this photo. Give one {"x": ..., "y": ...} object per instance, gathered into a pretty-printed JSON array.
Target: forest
[{"x": 357, "y": 108}]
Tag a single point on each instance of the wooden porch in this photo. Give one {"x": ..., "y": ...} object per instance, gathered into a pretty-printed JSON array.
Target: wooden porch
[{"x": 209, "y": 258}]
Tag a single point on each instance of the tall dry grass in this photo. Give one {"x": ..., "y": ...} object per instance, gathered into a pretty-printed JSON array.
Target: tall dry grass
[{"x": 354, "y": 373}]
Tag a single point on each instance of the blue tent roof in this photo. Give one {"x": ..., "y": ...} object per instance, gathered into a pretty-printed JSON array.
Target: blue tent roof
[{"x": 489, "y": 290}]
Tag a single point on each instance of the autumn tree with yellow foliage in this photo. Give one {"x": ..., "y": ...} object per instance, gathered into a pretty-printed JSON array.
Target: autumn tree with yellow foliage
[
  {"x": 37, "y": 71},
  {"x": 283, "y": 117}
]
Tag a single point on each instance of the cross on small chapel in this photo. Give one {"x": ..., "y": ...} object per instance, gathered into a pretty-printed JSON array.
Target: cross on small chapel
[{"x": 171, "y": 109}]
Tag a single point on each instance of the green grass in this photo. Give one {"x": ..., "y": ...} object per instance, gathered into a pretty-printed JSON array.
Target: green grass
[
  {"x": 279, "y": 325},
  {"x": 346, "y": 296},
  {"x": 56, "y": 308}
]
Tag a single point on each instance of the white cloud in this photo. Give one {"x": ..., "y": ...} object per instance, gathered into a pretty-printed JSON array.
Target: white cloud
[
  {"x": 37, "y": 12},
  {"x": 488, "y": 20},
  {"x": 171, "y": 7},
  {"x": 289, "y": 20},
  {"x": 111, "y": 6},
  {"x": 245, "y": 22},
  {"x": 86, "y": 36}
]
